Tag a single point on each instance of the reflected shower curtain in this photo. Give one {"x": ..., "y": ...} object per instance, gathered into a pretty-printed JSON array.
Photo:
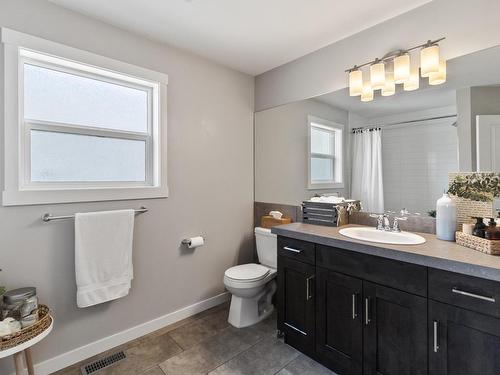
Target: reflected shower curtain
[{"x": 366, "y": 178}]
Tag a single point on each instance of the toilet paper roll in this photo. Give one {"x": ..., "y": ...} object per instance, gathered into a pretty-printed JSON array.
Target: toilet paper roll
[{"x": 196, "y": 242}]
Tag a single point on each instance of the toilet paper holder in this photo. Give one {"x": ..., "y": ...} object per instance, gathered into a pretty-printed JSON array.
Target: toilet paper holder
[{"x": 187, "y": 241}]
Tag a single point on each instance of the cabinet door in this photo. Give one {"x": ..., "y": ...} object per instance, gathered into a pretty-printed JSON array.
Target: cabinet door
[
  {"x": 339, "y": 321},
  {"x": 395, "y": 332},
  {"x": 462, "y": 342},
  {"x": 296, "y": 303}
]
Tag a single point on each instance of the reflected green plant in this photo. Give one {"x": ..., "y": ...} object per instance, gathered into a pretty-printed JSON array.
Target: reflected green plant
[{"x": 482, "y": 187}]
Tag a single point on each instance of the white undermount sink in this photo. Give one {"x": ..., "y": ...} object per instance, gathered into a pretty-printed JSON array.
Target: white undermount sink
[{"x": 374, "y": 235}]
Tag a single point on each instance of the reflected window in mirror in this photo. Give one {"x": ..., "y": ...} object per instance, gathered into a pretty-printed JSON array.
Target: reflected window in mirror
[{"x": 325, "y": 156}]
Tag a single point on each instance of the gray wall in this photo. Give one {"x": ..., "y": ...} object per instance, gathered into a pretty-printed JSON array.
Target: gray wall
[
  {"x": 281, "y": 136},
  {"x": 210, "y": 171},
  {"x": 468, "y": 26},
  {"x": 473, "y": 101}
]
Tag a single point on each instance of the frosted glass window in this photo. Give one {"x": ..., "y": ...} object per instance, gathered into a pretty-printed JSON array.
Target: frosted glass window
[
  {"x": 76, "y": 158},
  {"x": 52, "y": 95},
  {"x": 321, "y": 170},
  {"x": 322, "y": 141}
]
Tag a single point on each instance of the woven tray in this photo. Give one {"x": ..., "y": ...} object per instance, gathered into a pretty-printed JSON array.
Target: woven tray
[
  {"x": 478, "y": 243},
  {"x": 28, "y": 333}
]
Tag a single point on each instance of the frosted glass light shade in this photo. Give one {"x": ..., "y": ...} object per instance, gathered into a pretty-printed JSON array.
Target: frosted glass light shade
[
  {"x": 414, "y": 81},
  {"x": 429, "y": 60},
  {"x": 367, "y": 94},
  {"x": 401, "y": 68},
  {"x": 355, "y": 82},
  {"x": 389, "y": 87},
  {"x": 439, "y": 77},
  {"x": 377, "y": 76}
]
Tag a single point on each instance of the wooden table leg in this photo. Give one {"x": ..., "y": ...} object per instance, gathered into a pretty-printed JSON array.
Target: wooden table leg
[
  {"x": 29, "y": 361},
  {"x": 18, "y": 362}
]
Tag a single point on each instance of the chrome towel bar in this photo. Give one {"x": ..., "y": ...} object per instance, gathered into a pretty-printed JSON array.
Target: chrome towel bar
[{"x": 48, "y": 217}]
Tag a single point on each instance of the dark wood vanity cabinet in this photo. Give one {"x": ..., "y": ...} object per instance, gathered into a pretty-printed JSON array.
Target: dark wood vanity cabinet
[
  {"x": 464, "y": 325},
  {"x": 462, "y": 342},
  {"x": 296, "y": 301},
  {"x": 394, "y": 332},
  {"x": 339, "y": 321},
  {"x": 362, "y": 314}
]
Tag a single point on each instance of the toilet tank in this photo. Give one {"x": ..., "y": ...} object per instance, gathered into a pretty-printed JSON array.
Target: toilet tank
[{"x": 267, "y": 247}]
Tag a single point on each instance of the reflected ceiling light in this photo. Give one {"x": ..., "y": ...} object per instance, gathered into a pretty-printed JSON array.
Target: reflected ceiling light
[
  {"x": 402, "y": 68},
  {"x": 377, "y": 75},
  {"x": 439, "y": 77},
  {"x": 429, "y": 59},
  {"x": 413, "y": 82},
  {"x": 367, "y": 94},
  {"x": 395, "y": 68},
  {"x": 390, "y": 86},
  {"x": 355, "y": 82}
]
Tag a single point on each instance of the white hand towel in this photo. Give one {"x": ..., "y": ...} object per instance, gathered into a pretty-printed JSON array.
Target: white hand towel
[{"x": 103, "y": 255}]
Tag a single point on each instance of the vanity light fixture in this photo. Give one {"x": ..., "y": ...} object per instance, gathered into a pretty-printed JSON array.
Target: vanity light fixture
[
  {"x": 429, "y": 59},
  {"x": 367, "y": 93},
  {"x": 396, "y": 68},
  {"x": 402, "y": 68},
  {"x": 377, "y": 75},
  {"x": 439, "y": 77},
  {"x": 413, "y": 82},
  {"x": 355, "y": 82},
  {"x": 390, "y": 86}
]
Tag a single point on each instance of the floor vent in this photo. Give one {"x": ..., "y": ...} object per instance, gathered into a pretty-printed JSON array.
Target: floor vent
[{"x": 110, "y": 360}]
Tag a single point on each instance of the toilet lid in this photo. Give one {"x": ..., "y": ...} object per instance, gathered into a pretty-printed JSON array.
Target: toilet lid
[{"x": 247, "y": 272}]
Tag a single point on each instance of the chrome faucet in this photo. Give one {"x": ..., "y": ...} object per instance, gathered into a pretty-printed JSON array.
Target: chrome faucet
[
  {"x": 395, "y": 225},
  {"x": 383, "y": 222}
]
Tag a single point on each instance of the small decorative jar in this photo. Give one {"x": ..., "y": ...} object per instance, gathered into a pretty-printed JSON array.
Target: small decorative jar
[{"x": 22, "y": 305}]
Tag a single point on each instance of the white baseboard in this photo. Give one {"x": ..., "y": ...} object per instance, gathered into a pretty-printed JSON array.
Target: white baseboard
[{"x": 99, "y": 346}]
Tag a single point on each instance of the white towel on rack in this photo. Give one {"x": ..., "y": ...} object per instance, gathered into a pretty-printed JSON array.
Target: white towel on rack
[{"x": 103, "y": 255}]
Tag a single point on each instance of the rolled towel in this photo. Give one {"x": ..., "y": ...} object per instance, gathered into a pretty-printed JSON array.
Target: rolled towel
[{"x": 4, "y": 329}]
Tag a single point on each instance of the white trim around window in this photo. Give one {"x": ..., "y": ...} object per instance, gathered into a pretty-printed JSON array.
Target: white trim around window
[
  {"x": 19, "y": 49},
  {"x": 337, "y": 157}
]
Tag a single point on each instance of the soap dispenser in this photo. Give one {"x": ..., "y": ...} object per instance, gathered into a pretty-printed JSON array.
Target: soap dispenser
[
  {"x": 492, "y": 231},
  {"x": 479, "y": 228}
]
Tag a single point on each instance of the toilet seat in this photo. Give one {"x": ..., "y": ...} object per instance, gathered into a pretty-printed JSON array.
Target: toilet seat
[{"x": 250, "y": 273}]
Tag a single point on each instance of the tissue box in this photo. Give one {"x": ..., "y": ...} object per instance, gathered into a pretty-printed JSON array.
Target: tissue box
[{"x": 268, "y": 221}]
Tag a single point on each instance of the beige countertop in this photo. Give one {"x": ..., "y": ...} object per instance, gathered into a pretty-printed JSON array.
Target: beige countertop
[{"x": 433, "y": 253}]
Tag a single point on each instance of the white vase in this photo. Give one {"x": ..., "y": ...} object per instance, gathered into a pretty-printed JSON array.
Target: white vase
[{"x": 446, "y": 218}]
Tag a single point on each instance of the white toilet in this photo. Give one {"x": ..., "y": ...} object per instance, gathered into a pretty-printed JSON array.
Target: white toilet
[{"x": 252, "y": 285}]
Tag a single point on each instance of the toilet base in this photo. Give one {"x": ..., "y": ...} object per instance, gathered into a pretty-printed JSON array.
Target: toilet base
[{"x": 245, "y": 312}]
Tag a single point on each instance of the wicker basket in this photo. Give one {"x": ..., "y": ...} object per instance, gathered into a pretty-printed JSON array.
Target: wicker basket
[
  {"x": 28, "y": 333},
  {"x": 478, "y": 243}
]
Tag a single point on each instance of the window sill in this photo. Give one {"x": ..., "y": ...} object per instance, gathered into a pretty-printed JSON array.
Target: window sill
[
  {"x": 326, "y": 186},
  {"x": 35, "y": 197}
]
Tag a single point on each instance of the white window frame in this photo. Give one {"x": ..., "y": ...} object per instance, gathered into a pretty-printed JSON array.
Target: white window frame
[
  {"x": 19, "y": 48},
  {"x": 338, "y": 157}
]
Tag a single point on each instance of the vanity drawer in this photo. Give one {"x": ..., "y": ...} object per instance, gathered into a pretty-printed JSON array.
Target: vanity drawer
[
  {"x": 404, "y": 276},
  {"x": 296, "y": 249},
  {"x": 469, "y": 292}
]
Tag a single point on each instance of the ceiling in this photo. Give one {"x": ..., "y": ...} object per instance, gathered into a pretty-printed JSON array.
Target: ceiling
[
  {"x": 476, "y": 69},
  {"x": 251, "y": 36}
]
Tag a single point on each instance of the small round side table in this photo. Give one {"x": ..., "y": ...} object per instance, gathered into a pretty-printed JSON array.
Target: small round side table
[{"x": 17, "y": 352}]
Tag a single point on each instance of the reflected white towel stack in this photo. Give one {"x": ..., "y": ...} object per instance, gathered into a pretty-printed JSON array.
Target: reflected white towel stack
[{"x": 103, "y": 255}]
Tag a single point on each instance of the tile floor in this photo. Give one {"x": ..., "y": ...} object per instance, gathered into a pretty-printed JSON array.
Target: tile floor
[{"x": 207, "y": 344}]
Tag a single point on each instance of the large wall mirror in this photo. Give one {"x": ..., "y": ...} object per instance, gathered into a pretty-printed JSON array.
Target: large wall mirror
[{"x": 393, "y": 152}]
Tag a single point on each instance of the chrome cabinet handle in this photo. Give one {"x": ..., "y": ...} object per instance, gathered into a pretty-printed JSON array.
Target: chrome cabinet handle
[
  {"x": 436, "y": 346},
  {"x": 473, "y": 295},
  {"x": 308, "y": 295},
  {"x": 298, "y": 251},
  {"x": 354, "y": 310},
  {"x": 367, "y": 311},
  {"x": 296, "y": 329}
]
